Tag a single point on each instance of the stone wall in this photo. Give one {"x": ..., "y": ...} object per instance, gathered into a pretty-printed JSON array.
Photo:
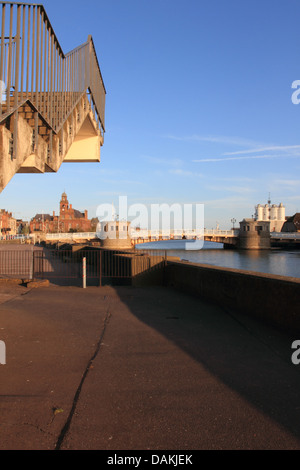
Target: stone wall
[{"x": 274, "y": 299}]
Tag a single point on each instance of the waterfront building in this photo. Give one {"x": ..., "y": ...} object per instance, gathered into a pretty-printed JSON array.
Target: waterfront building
[
  {"x": 114, "y": 234},
  {"x": 68, "y": 220},
  {"x": 292, "y": 224},
  {"x": 271, "y": 213},
  {"x": 41, "y": 223},
  {"x": 8, "y": 224}
]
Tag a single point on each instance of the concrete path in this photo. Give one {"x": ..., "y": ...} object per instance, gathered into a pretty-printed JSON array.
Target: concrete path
[{"x": 141, "y": 368}]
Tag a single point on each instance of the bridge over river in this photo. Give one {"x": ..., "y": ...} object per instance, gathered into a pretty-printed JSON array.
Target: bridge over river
[
  {"x": 146, "y": 236},
  {"x": 226, "y": 237}
]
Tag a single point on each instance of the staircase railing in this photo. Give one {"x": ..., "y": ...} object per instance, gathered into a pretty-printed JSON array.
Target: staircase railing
[{"x": 33, "y": 67}]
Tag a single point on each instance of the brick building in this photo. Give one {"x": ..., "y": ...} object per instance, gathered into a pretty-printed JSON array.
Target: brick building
[
  {"x": 68, "y": 220},
  {"x": 292, "y": 224},
  {"x": 8, "y": 224}
]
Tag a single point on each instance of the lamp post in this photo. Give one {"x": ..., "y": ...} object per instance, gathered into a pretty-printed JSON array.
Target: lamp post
[{"x": 233, "y": 221}]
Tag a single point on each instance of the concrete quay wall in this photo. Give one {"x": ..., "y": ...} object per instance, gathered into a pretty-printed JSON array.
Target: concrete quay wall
[{"x": 273, "y": 299}]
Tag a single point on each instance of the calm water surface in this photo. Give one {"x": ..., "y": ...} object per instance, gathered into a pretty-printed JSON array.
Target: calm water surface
[{"x": 275, "y": 261}]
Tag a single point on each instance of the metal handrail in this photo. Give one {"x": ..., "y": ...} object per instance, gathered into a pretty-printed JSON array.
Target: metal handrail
[
  {"x": 34, "y": 68},
  {"x": 22, "y": 4}
]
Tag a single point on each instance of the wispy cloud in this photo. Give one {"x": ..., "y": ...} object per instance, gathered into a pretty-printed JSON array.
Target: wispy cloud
[
  {"x": 218, "y": 139},
  {"x": 163, "y": 161},
  {"x": 252, "y": 157},
  {"x": 229, "y": 203},
  {"x": 181, "y": 172},
  {"x": 282, "y": 148},
  {"x": 287, "y": 183},
  {"x": 239, "y": 179},
  {"x": 232, "y": 189},
  {"x": 295, "y": 198},
  {"x": 253, "y": 151}
]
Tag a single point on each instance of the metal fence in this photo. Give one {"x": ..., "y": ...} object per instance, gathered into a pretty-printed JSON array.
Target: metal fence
[
  {"x": 34, "y": 67},
  {"x": 66, "y": 267},
  {"x": 17, "y": 264}
]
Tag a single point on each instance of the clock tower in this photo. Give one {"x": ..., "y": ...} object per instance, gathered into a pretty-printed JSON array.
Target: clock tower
[{"x": 64, "y": 204}]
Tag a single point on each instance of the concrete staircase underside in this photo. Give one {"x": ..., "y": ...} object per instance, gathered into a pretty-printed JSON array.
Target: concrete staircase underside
[{"x": 28, "y": 144}]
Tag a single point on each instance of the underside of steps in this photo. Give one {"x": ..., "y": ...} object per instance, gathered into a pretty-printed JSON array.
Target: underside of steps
[{"x": 28, "y": 144}]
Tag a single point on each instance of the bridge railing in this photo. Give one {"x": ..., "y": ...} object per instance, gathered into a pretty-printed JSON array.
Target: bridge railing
[
  {"x": 179, "y": 233},
  {"x": 222, "y": 233},
  {"x": 34, "y": 67},
  {"x": 286, "y": 236},
  {"x": 144, "y": 234},
  {"x": 14, "y": 237},
  {"x": 153, "y": 234},
  {"x": 70, "y": 236}
]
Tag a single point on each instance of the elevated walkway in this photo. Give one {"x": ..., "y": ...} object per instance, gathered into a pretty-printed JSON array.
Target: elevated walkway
[{"x": 52, "y": 105}]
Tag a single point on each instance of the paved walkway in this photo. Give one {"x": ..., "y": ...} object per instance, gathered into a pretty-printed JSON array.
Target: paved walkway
[{"x": 134, "y": 368}]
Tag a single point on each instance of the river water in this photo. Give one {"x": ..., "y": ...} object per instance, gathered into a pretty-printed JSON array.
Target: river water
[{"x": 274, "y": 261}]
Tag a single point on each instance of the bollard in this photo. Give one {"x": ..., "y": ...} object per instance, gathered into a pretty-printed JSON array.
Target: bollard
[
  {"x": 31, "y": 275},
  {"x": 84, "y": 273},
  {"x": 2, "y": 353}
]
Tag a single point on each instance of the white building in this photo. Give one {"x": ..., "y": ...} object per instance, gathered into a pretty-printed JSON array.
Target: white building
[
  {"x": 114, "y": 234},
  {"x": 271, "y": 213}
]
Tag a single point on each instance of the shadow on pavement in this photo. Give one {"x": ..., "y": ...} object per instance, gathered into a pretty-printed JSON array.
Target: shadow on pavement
[{"x": 248, "y": 357}]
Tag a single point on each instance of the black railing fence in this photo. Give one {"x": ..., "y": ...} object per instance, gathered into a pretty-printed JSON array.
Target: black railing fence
[{"x": 70, "y": 266}]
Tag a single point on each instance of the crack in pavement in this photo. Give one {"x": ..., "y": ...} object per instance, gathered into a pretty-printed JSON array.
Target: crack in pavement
[
  {"x": 7, "y": 297},
  {"x": 68, "y": 422}
]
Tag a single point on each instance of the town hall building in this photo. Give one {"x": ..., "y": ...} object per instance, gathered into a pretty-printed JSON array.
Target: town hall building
[{"x": 68, "y": 220}]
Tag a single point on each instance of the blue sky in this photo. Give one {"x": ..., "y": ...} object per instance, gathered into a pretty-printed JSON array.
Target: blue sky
[{"x": 198, "y": 107}]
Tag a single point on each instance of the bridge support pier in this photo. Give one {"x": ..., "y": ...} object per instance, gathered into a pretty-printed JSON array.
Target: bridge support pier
[{"x": 254, "y": 235}]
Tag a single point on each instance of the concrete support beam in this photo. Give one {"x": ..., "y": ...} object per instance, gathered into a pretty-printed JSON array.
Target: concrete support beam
[{"x": 39, "y": 149}]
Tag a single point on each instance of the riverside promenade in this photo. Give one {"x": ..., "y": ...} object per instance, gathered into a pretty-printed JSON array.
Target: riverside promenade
[{"x": 130, "y": 368}]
